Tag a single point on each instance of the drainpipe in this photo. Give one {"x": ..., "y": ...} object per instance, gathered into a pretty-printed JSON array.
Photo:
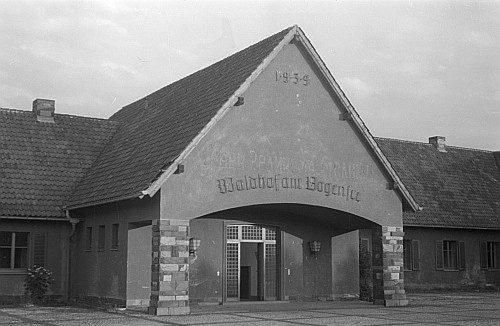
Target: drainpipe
[{"x": 73, "y": 222}]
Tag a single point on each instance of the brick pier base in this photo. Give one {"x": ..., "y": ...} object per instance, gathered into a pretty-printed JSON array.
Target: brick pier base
[
  {"x": 170, "y": 268},
  {"x": 388, "y": 276}
]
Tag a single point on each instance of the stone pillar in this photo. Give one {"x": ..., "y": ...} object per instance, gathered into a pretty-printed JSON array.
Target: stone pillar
[
  {"x": 387, "y": 260},
  {"x": 170, "y": 268}
]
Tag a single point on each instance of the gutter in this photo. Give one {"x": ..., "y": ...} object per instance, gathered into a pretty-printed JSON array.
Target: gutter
[
  {"x": 52, "y": 219},
  {"x": 73, "y": 222}
]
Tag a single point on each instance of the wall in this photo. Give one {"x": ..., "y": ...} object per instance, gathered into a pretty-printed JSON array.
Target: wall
[
  {"x": 101, "y": 275},
  {"x": 12, "y": 283},
  {"x": 430, "y": 278},
  {"x": 345, "y": 264},
  {"x": 303, "y": 274},
  {"x": 139, "y": 266},
  {"x": 286, "y": 144}
]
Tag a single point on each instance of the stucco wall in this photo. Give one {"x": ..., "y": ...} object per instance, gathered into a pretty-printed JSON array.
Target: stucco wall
[
  {"x": 12, "y": 281},
  {"x": 286, "y": 144},
  {"x": 430, "y": 278},
  {"x": 103, "y": 273}
]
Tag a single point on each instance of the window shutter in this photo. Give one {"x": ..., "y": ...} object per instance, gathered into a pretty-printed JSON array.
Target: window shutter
[
  {"x": 415, "y": 250},
  {"x": 461, "y": 255},
  {"x": 483, "y": 255},
  {"x": 439, "y": 255},
  {"x": 39, "y": 249}
]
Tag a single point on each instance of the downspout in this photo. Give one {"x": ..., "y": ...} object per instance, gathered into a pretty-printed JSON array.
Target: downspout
[{"x": 73, "y": 222}]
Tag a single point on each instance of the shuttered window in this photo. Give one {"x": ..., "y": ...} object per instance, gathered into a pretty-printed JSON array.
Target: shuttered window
[
  {"x": 14, "y": 249},
  {"x": 39, "y": 249},
  {"x": 490, "y": 255},
  {"x": 415, "y": 251},
  {"x": 88, "y": 238},
  {"x": 101, "y": 239},
  {"x": 450, "y": 255},
  {"x": 439, "y": 255},
  {"x": 114, "y": 236},
  {"x": 411, "y": 255},
  {"x": 407, "y": 257},
  {"x": 461, "y": 255}
]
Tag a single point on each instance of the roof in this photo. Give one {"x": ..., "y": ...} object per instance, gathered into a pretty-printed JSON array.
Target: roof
[
  {"x": 40, "y": 163},
  {"x": 457, "y": 188},
  {"x": 157, "y": 128}
]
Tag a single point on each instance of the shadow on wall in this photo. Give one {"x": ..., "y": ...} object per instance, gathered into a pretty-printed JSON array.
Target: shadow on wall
[{"x": 365, "y": 274}]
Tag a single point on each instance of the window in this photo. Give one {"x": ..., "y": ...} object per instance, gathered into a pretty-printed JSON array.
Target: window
[
  {"x": 88, "y": 238},
  {"x": 101, "y": 240},
  {"x": 411, "y": 255},
  {"x": 450, "y": 255},
  {"x": 14, "y": 249},
  {"x": 114, "y": 236},
  {"x": 490, "y": 255}
]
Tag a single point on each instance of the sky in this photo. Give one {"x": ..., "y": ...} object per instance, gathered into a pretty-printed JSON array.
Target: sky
[{"x": 411, "y": 69}]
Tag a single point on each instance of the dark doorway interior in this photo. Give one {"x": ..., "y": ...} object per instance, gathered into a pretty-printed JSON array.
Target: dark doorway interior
[{"x": 251, "y": 271}]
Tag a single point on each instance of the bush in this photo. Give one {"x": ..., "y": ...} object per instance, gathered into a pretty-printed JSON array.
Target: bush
[{"x": 38, "y": 281}]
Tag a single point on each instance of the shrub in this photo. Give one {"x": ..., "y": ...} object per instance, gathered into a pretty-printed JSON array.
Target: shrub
[{"x": 38, "y": 281}]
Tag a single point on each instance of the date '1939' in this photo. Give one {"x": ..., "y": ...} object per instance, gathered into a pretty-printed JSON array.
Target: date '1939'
[{"x": 292, "y": 77}]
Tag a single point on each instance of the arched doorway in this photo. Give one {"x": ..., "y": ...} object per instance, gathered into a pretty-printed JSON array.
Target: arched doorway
[{"x": 262, "y": 253}]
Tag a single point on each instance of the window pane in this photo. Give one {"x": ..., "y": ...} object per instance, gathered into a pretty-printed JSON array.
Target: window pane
[
  {"x": 492, "y": 255},
  {"x": 450, "y": 254},
  {"x": 21, "y": 239},
  {"x": 21, "y": 258},
  {"x": 232, "y": 232},
  {"x": 5, "y": 257},
  {"x": 5, "y": 238},
  {"x": 251, "y": 232}
]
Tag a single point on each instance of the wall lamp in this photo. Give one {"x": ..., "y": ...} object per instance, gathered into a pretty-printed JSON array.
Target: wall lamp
[
  {"x": 314, "y": 247},
  {"x": 194, "y": 244}
]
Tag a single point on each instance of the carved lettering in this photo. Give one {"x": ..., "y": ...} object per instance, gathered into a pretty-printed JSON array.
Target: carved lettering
[{"x": 277, "y": 183}]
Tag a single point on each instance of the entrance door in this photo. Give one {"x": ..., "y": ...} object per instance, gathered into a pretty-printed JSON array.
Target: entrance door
[{"x": 251, "y": 263}]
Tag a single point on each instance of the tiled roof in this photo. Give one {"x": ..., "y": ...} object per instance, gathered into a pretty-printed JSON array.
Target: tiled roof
[
  {"x": 457, "y": 188},
  {"x": 156, "y": 129},
  {"x": 40, "y": 163}
]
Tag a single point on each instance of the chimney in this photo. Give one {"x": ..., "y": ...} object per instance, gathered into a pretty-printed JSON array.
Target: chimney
[
  {"x": 439, "y": 142},
  {"x": 44, "y": 110}
]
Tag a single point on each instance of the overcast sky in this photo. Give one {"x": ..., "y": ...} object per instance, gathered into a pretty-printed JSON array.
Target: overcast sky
[{"x": 412, "y": 69}]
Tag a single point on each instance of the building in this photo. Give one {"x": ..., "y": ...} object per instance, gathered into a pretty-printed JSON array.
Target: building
[{"x": 251, "y": 179}]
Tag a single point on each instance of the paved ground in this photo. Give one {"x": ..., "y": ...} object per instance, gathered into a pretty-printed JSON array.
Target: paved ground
[{"x": 425, "y": 309}]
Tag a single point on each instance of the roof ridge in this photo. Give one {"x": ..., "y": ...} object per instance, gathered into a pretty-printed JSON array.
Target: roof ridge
[
  {"x": 56, "y": 114},
  {"x": 447, "y": 146}
]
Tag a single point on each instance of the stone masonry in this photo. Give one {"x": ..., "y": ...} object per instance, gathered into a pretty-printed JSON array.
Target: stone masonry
[
  {"x": 387, "y": 260},
  {"x": 170, "y": 268}
]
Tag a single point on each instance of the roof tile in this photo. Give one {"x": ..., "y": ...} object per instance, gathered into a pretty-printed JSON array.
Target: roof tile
[
  {"x": 40, "y": 163},
  {"x": 458, "y": 188}
]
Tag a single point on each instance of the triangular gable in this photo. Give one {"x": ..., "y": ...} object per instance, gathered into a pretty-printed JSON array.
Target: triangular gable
[
  {"x": 179, "y": 148},
  {"x": 350, "y": 113}
]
